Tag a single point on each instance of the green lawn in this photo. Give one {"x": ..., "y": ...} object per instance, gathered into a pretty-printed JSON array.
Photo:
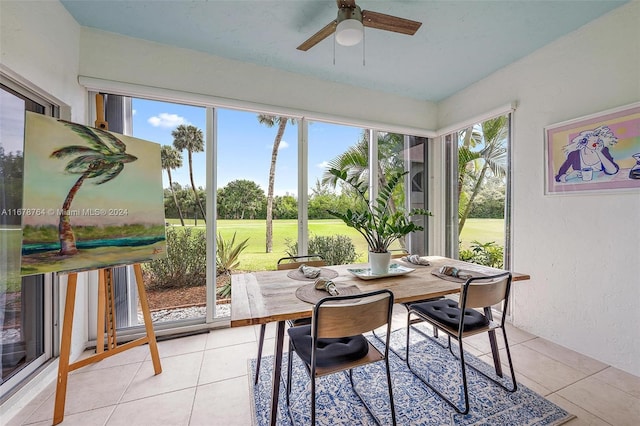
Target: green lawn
[
  {"x": 255, "y": 258},
  {"x": 483, "y": 230}
]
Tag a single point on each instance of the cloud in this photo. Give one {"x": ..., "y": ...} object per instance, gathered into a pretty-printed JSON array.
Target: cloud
[
  {"x": 283, "y": 145},
  {"x": 322, "y": 165},
  {"x": 134, "y": 112},
  {"x": 167, "y": 120}
]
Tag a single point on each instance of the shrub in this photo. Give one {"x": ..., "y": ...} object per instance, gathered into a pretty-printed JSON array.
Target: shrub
[
  {"x": 335, "y": 249},
  {"x": 228, "y": 254},
  {"x": 227, "y": 259},
  {"x": 488, "y": 254},
  {"x": 185, "y": 264}
]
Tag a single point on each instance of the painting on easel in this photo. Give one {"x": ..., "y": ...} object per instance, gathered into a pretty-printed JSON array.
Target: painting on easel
[{"x": 92, "y": 198}]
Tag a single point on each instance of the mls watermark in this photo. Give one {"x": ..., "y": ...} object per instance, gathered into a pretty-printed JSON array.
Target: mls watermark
[{"x": 63, "y": 212}]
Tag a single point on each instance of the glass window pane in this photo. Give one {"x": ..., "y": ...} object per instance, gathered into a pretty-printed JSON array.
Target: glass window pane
[
  {"x": 482, "y": 183},
  {"x": 176, "y": 286},
  {"x": 21, "y": 300},
  {"x": 345, "y": 148},
  {"x": 257, "y": 179}
]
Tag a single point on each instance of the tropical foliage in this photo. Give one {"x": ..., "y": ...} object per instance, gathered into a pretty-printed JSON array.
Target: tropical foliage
[
  {"x": 488, "y": 254},
  {"x": 190, "y": 138},
  {"x": 334, "y": 249},
  {"x": 482, "y": 154},
  {"x": 227, "y": 256},
  {"x": 270, "y": 121},
  {"x": 376, "y": 222},
  {"x": 185, "y": 264},
  {"x": 171, "y": 159}
]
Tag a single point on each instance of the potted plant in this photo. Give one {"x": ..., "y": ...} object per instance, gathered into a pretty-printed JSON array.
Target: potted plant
[{"x": 376, "y": 222}]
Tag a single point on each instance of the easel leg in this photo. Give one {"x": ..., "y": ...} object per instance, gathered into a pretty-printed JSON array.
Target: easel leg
[
  {"x": 101, "y": 312},
  {"x": 151, "y": 336},
  {"x": 65, "y": 350},
  {"x": 111, "y": 309}
]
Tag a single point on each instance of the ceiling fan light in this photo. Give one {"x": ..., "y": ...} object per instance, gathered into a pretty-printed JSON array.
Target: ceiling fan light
[{"x": 349, "y": 32}]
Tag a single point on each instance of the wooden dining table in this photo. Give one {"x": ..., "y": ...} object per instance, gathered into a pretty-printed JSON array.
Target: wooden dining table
[{"x": 270, "y": 296}]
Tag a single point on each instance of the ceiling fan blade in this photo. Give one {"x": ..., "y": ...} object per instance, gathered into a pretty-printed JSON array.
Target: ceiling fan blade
[
  {"x": 351, "y": 4},
  {"x": 389, "y": 23},
  {"x": 325, "y": 32}
]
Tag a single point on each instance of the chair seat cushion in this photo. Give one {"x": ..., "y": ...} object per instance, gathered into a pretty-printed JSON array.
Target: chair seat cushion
[
  {"x": 330, "y": 351},
  {"x": 447, "y": 312},
  {"x": 299, "y": 321}
]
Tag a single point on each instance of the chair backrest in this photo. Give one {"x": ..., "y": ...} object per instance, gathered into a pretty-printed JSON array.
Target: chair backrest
[
  {"x": 343, "y": 316},
  {"x": 482, "y": 292},
  {"x": 294, "y": 262}
]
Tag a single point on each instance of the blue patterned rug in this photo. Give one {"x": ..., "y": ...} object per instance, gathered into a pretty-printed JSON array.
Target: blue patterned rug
[{"x": 416, "y": 404}]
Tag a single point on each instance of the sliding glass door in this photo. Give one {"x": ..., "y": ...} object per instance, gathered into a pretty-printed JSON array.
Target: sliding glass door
[
  {"x": 479, "y": 228},
  {"x": 25, "y": 303}
]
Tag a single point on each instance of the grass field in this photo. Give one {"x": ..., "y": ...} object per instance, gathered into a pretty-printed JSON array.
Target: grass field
[{"x": 255, "y": 258}]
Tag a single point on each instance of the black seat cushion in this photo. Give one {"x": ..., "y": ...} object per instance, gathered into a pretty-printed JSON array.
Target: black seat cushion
[
  {"x": 447, "y": 312},
  {"x": 299, "y": 321},
  {"x": 330, "y": 351}
]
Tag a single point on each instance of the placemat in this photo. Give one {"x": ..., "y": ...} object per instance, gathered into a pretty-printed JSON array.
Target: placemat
[
  {"x": 309, "y": 293},
  {"x": 324, "y": 273}
]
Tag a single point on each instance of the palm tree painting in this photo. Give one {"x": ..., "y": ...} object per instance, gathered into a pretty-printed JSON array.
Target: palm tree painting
[
  {"x": 92, "y": 198},
  {"x": 102, "y": 160}
]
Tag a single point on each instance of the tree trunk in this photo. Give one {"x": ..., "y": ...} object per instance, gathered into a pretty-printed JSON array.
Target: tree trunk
[
  {"x": 476, "y": 189},
  {"x": 65, "y": 232},
  {"x": 193, "y": 185},
  {"x": 175, "y": 199},
  {"x": 272, "y": 177}
]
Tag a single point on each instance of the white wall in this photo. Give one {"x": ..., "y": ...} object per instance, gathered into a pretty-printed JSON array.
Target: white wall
[
  {"x": 114, "y": 57},
  {"x": 39, "y": 47},
  {"x": 581, "y": 250}
]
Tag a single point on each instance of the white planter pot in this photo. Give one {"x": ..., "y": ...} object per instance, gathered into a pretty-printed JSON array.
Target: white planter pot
[{"x": 379, "y": 262}]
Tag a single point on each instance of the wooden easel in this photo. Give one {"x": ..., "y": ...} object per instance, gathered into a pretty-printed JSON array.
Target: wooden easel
[
  {"x": 105, "y": 300},
  {"x": 106, "y": 309}
]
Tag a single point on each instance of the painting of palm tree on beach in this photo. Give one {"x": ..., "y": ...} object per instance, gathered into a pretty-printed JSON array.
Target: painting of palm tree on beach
[{"x": 92, "y": 198}]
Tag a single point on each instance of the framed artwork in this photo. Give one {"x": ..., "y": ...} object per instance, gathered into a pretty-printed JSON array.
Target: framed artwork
[
  {"x": 92, "y": 199},
  {"x": 599, "y": 152}
]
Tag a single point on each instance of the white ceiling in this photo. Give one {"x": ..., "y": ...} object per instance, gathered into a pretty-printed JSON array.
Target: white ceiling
[{"x": 460, "y": 42}]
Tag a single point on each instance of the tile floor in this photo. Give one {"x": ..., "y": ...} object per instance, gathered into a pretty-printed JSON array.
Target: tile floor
[{"x": 204, "y": 382}]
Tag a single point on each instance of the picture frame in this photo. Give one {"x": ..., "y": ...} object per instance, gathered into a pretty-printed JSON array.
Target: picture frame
[{"x": 595, "y": 153}]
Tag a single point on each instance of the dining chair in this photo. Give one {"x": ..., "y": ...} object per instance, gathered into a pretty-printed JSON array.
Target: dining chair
[
  {"x": 334, "y": 341},
  {"x": 459, "y": 320},
  {"x": 289, "y": 262}
]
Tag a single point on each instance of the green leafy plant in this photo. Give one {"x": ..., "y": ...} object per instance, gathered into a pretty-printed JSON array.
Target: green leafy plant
[
  {"x": 487, "y": 254},
  {"x": 335, "y": 249},
  {"x": 185, "y": 264},
  {"x": 227, "y": 256},
  {"x": 376, "y": 222}
]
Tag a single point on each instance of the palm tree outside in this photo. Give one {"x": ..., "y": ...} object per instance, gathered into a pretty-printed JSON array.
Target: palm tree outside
[
  {"x": 270, "y": 121},
  {"x": 171, "y": 159},
  {"x": 473, "y": 166},
  {"x": 190, "y": 138},
  {"x": 104, "y": 158}
]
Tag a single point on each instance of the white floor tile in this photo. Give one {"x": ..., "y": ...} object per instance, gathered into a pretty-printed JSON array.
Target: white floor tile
[
  {"x": 178, "y": 372},
  {"x": 610, "y": 404},
  {"x": 173, "y": 408}
]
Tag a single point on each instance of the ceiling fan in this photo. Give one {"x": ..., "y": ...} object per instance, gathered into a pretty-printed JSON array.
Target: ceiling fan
[{"x": 349, "y": 24}]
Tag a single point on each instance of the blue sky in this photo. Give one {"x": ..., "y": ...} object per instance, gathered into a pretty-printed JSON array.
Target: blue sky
[{"x": 244, "y": 145}]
